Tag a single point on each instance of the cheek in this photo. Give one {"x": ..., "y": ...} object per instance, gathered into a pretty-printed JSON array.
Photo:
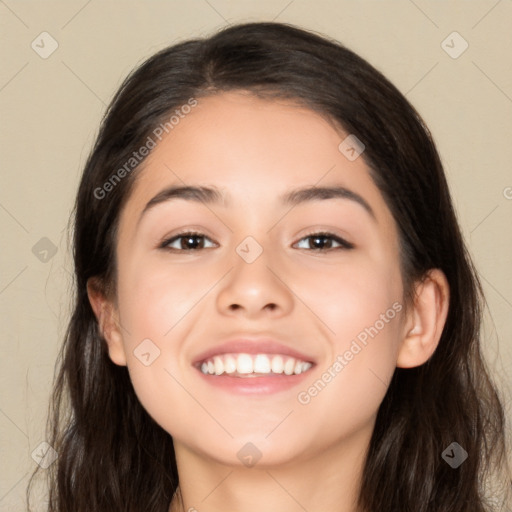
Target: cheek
[
  {"x": 363, "y": 311},
  {"x": 360, "y": 308},
  {"x": 158, "y": 309},
  {"x": 349, "y": 298},
  {"x": 154, "y": 299}
]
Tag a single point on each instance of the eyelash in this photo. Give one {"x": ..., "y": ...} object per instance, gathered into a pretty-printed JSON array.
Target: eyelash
[{"x": 343, "y": 243}]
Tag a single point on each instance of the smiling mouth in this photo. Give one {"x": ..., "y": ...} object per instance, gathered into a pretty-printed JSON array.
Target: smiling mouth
[{"x": 253, "y": 365}]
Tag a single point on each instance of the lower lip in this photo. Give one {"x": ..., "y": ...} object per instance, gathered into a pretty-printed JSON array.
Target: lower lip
[{"x": 255, "y": 385}]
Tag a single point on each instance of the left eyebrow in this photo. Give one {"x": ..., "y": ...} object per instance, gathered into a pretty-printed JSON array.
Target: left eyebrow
[
  {"x": 213, "y": 195},
  {"x": 312, "y": 193}
]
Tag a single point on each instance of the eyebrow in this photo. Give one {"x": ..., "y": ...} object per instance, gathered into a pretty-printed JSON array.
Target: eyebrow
[{"x": 213, "y": 195}]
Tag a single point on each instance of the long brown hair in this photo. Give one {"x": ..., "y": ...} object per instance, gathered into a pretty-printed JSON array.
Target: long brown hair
[{"x": 112, "y": 456}]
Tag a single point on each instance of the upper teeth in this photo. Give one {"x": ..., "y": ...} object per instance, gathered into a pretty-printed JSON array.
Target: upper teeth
[{"x": 253, "y": 363}]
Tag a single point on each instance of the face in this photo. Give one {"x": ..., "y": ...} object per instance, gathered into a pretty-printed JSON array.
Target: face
[{"x": 277, "y": 322}]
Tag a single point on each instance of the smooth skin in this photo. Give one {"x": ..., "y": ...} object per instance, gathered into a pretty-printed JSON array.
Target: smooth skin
[{"x": 316, "y": 301}]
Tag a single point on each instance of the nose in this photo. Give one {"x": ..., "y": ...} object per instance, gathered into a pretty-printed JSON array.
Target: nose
[{"x": 255, "y": 289}]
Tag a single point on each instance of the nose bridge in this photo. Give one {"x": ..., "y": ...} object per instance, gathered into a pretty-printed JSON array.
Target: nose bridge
[
  {"x": 254, "y": 241},
  {"x": 250, "y": 249},
  {"x": 254, "y": 259}
]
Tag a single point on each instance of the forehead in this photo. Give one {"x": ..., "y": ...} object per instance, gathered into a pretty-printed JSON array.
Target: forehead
[
  {"x": 254, "y": 151},
  {"x": 240, "y": 132}
]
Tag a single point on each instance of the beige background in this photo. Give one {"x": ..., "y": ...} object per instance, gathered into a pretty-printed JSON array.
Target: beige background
[{"x": 51, "y": 108}]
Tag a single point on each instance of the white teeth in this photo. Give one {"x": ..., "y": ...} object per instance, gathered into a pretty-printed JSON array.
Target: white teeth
[
  {"x": 218, "y": 364},
  {"x": 289, "y": 366},
  {"x": 277, "y": 364},
  {"x": 244, "y": 364},
  {"x": 261, "y": 364},
  {"x": 229, "y": 364}
]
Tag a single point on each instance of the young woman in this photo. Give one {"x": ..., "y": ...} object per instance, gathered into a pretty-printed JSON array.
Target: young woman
[{"x": 275, "y": 309}]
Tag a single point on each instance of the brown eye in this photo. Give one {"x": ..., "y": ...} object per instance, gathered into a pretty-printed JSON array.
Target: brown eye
[
  {"x": 324, "y": 242},
  {"x": 185, "y": 242},
  {"x": 193, "y": 241}
]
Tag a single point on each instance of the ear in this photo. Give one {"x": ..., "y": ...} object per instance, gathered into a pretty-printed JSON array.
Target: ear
[
  {"x": 108, "y": 321},
  {"x": 425, "y": 321}
]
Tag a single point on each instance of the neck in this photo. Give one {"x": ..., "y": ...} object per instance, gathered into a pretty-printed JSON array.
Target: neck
[{"x": 327, "y": 481}]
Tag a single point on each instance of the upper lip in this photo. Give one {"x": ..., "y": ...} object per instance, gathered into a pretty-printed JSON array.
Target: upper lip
[{"x": 251, "y": 345}]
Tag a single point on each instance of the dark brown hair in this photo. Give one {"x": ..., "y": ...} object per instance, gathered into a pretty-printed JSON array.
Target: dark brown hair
[{"x": 113, "y": 457}]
